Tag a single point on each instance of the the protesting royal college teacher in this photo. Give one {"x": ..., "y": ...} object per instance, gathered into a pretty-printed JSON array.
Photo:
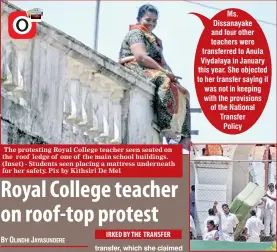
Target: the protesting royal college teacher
[{"x": 142, "y": 52}]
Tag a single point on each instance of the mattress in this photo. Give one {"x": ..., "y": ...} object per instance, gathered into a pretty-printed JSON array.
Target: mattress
[{"x": 244, "y": 202}]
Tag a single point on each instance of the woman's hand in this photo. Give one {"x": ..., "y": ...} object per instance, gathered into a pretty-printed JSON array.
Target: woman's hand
[{"x": 170, "y": 75}]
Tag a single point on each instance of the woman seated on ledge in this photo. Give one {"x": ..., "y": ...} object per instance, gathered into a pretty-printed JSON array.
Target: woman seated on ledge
[{"x": 142, "y": 52}]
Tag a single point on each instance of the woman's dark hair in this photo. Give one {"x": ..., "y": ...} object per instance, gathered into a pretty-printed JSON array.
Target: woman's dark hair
[
  {"x": 271, "y": 185},
  {"x": 145, "y": 8},
  {"x": 253, "y": 213},
  {"x": 211, "y": 223},
  {"x": 211, "y": 211}
]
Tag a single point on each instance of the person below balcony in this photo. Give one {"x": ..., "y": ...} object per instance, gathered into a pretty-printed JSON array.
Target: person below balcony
[
  {"x": 228, "y": 222},
  {"x": 270, "y": 211},
  {"x": 142, "y": 52},
  {"x": 212, "y": 233},
  {"x": 253, "y": 227},
  {"x": 193, "y": 234}
]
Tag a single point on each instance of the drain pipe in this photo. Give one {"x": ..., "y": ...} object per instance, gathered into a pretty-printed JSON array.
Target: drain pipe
[
  {"x": 266, "y": 158},
  {"x": 96, "y": 25}
]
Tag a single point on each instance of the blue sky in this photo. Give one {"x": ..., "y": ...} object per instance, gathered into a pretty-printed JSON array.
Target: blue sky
[{"x": 180, "y": 33}]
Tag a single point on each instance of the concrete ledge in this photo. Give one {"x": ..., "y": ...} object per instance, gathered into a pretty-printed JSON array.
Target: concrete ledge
[
  {"x": 85, "y": 54},
  {"x": 80, "y": 97}
]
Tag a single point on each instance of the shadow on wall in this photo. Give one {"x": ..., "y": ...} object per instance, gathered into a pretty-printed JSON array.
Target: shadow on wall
[{"x": 16, "y": 136}]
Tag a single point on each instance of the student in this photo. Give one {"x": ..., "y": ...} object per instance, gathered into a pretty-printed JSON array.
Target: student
[
  {"x": 260, "y": 209},
  {"x": 253, "y": 227},
  {"x": 192, "y": 201},
  {"x": 270, "y": 211},
  {"x": 212, "y": 232},
  {"x": 228, "y": 222},
  {"x": 212, "y": 217},
  {"x": 192, "y": 229}
]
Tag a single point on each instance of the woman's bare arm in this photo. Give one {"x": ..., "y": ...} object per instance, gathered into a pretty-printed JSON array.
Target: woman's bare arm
[{"x": 139, "y": 52}]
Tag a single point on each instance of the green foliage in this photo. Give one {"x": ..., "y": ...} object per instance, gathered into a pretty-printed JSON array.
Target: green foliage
[{"x": 272, "y": 247}]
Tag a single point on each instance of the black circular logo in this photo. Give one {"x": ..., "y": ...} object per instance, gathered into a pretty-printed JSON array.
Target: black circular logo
[{"x": 22, "y": 25}]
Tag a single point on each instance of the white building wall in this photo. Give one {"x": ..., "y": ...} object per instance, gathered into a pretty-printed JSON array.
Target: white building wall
[{"x": 211, "y": 184}]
